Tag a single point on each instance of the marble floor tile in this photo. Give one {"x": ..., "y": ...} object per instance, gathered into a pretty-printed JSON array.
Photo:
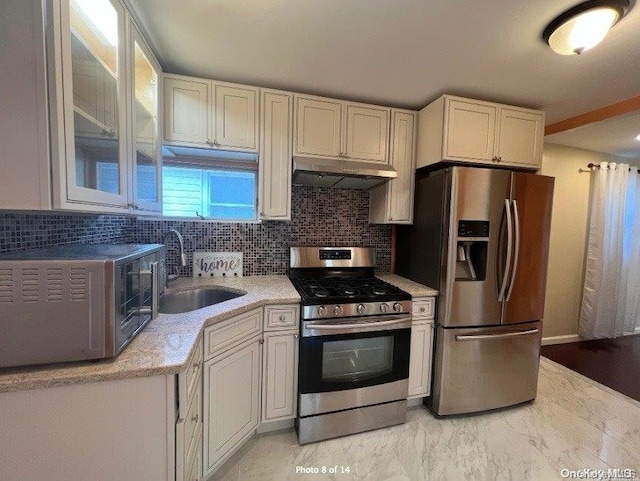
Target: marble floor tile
[{"x": 573, "y": 424}]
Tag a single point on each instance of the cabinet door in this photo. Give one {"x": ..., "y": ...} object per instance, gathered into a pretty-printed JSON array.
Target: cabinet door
[
  {"x": 318, "y": 129},
  {"x": 420, "y": 359},
  {"x": 367, "y": 133},
  {"x": 231, "y": 402},
  {"x": 402, "y": 159},
  {"x": 520, "y": 137},
  {"x": 280, "y": 375},
  {"x": 236, "y": 117},
  {"x": 186, "y": 109},
  {"x": 274, "y": 195},
  {"x": 93, "y": 69},
  {"x": 144, "y": 105},
  {"x": 469, "y": 130}
]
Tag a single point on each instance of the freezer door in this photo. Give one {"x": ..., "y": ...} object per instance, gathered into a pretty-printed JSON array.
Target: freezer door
[
  {"x": 476, "y": 195},
  {"x": 531, "y": 199},
  {"x": 477, "y": 369}
]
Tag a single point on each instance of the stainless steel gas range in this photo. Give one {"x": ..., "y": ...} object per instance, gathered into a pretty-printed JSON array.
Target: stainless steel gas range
[{"x": 354, "y": 344}]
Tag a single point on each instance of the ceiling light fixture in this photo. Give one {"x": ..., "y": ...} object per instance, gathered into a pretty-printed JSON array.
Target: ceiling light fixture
[
  {"x": 638, "y": 138},
  {"x": 584, "y": 26}
]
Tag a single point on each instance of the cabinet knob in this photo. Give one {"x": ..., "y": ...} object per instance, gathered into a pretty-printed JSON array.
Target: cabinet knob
[
  {"x": 296, "y": 336},
  {"x": 422, "y": 309},
  {"x": 196, "y": 365},
  {"x": 261, "y": 341},
  {"x": 215, "y": 142},
  {"x": 499, "y": 159},
  {"x": 281, "y": 318},
  {"x": 195, "y": 418}
]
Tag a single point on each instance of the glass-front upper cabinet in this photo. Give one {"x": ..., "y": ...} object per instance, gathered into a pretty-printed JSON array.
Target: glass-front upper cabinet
[
  {"x": 146, "y": 158},
  {"x": 93, "y": 53}
]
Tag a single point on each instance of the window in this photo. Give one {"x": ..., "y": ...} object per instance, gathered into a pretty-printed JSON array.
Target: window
[{"x": 222, "y": 187}]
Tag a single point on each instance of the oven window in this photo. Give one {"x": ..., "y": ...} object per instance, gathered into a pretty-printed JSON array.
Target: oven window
[{"x": 357, "y": 359}]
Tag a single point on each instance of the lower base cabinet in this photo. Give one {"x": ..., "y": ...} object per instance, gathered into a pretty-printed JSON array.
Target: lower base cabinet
[
  {"x": 280, "y": 376},
  {"x": 231, "y": 402}
]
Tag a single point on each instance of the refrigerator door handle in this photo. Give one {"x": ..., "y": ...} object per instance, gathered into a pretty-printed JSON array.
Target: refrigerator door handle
[
  {"x": 497, "y": 336},
  {"x": 516, "y": 255},
  {"x": 507, "y": 266}
]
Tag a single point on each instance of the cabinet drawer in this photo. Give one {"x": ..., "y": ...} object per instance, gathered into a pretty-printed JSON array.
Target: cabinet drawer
[
  {"x": 189, "y": 379},
  {"x": 187, "y": 431},
  {"x": 423, "y": 308},
  {"x": 223, "y": 336},
  {"x": 284, "y": 317}
]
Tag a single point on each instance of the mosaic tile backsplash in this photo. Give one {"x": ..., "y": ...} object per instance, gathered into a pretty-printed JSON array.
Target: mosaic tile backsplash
[
  {"x": 19, "y": 231},
  {"x": 332, "y": 217}
]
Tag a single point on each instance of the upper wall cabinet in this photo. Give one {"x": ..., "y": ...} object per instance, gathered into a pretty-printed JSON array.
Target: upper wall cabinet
[
  {"x": 204, "y": 113},
  {"x": 95, "y": 89},
  {"x": 344, "y": 130},
  {"x": 473, "y": 131},
  {"x": 274, "y": 189},
  {"x": 392, "y": 202}
]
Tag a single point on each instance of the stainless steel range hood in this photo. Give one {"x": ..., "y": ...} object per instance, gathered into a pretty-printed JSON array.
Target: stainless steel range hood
[{"x": 344, "y": 174}]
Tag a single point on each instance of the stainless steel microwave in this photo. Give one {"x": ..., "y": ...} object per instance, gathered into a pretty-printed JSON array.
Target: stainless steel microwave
[{"x": 76, "y": 302}]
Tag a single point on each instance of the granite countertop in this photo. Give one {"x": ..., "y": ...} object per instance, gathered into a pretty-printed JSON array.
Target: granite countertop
[
  {"x": 413, "y": 288},
  {"x": 165, "y": 344}
]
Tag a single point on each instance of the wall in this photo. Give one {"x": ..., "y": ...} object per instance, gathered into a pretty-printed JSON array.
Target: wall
[
  {"x": 568, "y": 236},
  {"x": 20, "y": 230},
  {"x": 331, "y": 217}
]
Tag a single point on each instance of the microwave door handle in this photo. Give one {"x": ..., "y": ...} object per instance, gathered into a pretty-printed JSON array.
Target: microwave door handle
[
  {"x": 155, "y": 289},
  {"x": 507, "y": 266},
  {"x": 516, "y": 222}
]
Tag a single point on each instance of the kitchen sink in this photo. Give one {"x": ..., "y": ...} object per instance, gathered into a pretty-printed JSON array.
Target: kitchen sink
[{"x": 192, "y": 299}]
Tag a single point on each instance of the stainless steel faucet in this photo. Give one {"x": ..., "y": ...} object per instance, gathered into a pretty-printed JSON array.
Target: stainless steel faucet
[{"x": 183, "y": 256}]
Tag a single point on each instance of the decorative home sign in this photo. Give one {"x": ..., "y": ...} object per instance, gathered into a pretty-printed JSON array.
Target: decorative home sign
[{"x": 216, "y": 264}]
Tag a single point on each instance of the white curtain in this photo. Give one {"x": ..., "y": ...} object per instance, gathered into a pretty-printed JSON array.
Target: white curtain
[{"x": 611, "y": 295}]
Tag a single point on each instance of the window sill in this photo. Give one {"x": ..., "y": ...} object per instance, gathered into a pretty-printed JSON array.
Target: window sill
[{"x": 197, "y": 219}]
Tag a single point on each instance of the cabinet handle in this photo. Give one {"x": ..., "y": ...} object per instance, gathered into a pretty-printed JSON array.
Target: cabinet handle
[
  {"x": 261, "y": 341},
  {"x": 195, "y": 418},
  {"x": 281, "y": 318},
  {"x": 499, "y": 159},
  {"x": 196, "y": 365},
  {"x": 215, "y": 142},
  {"x": 422, "y": 309}
]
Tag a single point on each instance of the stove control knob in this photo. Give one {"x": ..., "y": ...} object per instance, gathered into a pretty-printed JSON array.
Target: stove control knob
[
  {"x": 360, "y": 308},
  {"x": 322, "y": 311},
  {"x": 397, "y": 307},
  {"x": 384, "y": 307},
  {"x": 338, "y": 310}
]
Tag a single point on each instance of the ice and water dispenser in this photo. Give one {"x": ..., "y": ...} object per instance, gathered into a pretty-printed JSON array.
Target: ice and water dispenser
[{"x": 471, "y": 250}]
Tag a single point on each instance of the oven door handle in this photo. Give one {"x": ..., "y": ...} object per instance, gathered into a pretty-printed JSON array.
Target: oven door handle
[{"x": 315, "y": 329}]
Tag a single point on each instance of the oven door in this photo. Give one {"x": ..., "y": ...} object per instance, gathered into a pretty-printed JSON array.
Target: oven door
[{"x": 348, "y": 363}]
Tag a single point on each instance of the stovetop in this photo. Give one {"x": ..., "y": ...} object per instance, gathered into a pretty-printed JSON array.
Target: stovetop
[{"x": 342, "y": 290}]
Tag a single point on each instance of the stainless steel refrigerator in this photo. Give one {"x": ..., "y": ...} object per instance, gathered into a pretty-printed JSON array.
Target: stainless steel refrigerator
[{"x": 481, "y": 237}]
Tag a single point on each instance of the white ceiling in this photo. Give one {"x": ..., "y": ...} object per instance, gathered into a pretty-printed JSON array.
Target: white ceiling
[
  {"x": 401, "y": 53},
  {"x": 616, "y": 136}
]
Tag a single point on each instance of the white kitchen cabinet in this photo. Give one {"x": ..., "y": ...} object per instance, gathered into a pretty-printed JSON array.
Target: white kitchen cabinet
[
  {"x": 186, "y": 110},
  {"x": 280, "y": 376},
  {"x": 392, "y": 202},
  {"x": 280, "y": 364},
  {"x": 274, "y": 190},
  {"x": 367, "y": 133},
  {"x": 231, "y": 402},
  {"x": 211, "y": 114},
  {"x": 120, "y": 430},
  {"x": 80, "y": 109},
  {"x": 420, "y": 361},
  {"x": 473, "y": 131},
  {"x": 343, "y": 130},
  {"x": 189, "y": 423}
]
